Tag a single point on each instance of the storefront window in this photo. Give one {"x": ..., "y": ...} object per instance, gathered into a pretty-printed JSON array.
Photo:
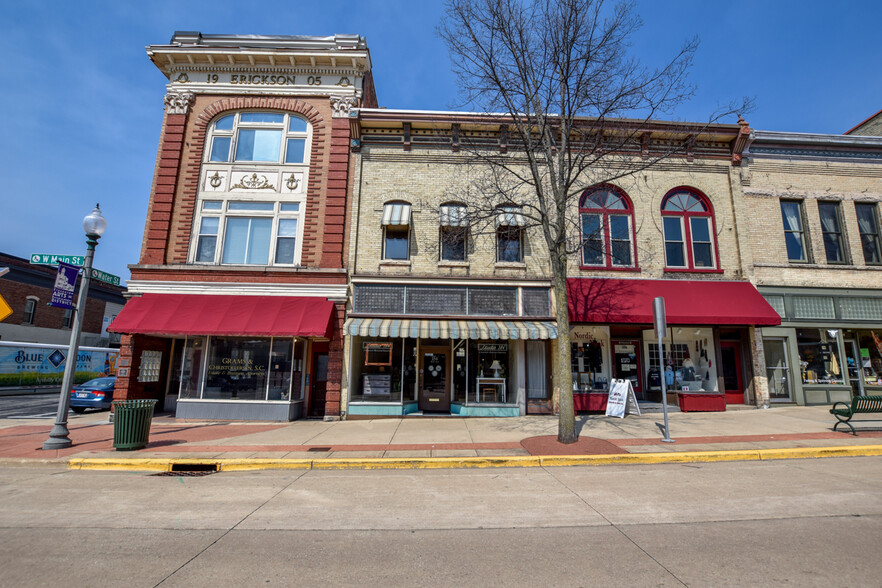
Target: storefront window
[
  {"x": 491, "y": 363},
  {"x": 240, "y": 368},
  {"x": 690, "y": 363},
  {"x": 589, "y": 351},
  {"x": 379, "y": 377},
  {"x": 870, "y": 348},
  {"x": 460, "y": 358},
  {"x": 819, "y": 359}
]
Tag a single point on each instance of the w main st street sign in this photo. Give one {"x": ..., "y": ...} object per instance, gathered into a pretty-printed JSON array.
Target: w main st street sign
[{"x": 79, "y": 260}]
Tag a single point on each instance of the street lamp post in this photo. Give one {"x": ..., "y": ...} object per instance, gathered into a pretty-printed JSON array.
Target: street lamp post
[{"x": 94, "y": 225}]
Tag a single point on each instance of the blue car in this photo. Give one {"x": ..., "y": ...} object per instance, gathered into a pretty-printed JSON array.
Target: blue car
[{"x": 97, "y": 393}]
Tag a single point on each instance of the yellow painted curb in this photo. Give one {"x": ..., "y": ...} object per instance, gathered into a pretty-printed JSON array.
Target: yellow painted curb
[{"x": 379, "y": 463}]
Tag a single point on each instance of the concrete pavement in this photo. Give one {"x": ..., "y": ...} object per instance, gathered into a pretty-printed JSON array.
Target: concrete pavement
[{"x": 448, "y": 441}]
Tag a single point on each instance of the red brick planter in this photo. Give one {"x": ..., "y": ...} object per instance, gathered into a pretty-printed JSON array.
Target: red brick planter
[
  {"x": 701, "y": 401},
  {"x": 590, "y": 401}
]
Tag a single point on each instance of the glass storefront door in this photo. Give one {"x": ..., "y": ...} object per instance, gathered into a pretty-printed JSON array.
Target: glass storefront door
[
  {"x": 434, "y": 379},
  {"x": 853, "y": 361},
  {"x": 777, "y": 370}
]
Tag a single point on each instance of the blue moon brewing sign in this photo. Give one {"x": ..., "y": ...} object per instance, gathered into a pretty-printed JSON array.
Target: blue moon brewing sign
[{"x": 25, "y": 365}]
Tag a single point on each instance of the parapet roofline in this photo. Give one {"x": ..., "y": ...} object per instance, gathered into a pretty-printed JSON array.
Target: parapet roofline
[
  {"x": 338, "y": 42},
  {"x": 817, "y": 139}
]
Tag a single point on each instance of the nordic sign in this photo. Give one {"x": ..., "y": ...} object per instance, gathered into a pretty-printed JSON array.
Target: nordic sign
[{"x": 54, "y": 258}]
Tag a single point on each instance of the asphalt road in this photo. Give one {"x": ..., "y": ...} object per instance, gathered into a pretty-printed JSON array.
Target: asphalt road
[
  {"x": 799, "y": 522},
  {"x": 29, "y": 406}
]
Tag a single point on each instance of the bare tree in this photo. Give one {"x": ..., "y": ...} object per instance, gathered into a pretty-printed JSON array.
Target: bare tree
[{"x": 575, "y": 108}]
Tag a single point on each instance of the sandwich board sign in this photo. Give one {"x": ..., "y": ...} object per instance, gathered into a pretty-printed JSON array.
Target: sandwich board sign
[{"x": 622, "y": 399}]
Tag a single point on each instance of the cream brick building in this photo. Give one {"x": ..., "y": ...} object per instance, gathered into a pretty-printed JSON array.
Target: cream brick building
[
  {"x": 813, "y": 225},
  {"x": 451, "y": 307}
]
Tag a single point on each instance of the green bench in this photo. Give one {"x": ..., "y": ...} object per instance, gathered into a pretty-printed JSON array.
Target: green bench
[{"x": 859, "y": 405}]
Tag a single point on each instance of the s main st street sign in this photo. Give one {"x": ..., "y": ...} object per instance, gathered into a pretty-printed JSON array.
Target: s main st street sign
[{"x": 53, "y": 259}]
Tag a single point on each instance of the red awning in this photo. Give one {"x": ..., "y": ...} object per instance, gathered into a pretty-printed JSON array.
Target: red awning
[
  {"x": 599, "y": 300},
  {"x": 204, "y": 314}
]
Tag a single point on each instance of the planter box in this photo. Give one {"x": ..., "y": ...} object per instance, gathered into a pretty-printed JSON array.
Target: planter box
[
  {"x": 701, "y": 401},
  {"x": 590, "y": 401}
]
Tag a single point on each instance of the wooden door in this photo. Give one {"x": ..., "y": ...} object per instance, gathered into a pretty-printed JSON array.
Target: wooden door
[
  {"x": 318, "y": 388},
  {"x": 732, "y": 372},
  {"x": 434, "y": 379}
]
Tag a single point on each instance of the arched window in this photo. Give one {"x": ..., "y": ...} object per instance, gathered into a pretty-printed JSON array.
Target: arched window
[
  {"x": 688, "y": 221},
  {"x": 452, "y": 239},
  {"x": 607, "y": 228},
  {"x": 259, "y": 137}
]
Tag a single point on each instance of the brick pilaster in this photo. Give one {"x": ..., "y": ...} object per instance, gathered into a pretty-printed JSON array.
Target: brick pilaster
[{"x": 165, "y": 183}]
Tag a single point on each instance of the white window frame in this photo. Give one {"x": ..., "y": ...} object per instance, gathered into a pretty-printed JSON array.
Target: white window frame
[
  {"x": 224, "y": 214},
  {"x": 233, "y": 135},
  {"x": 681, "y": 241}
]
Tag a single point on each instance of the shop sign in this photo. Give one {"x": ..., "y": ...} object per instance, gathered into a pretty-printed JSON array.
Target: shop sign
[
  {"x": 622, "y": 400},
  {"x": 493, "y": 347},
  {"x": 236, "y": 367}
]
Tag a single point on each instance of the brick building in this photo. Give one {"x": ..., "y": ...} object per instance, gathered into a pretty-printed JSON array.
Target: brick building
[
  {"x": 814, "y": 246},
  {"x": 237, "y": 301},
  {"x": 451, "y": 296},
  {"x": 27, "y": 288}
]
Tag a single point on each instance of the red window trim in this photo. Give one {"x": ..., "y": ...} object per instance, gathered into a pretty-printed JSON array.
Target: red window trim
[
  {"x": 607, "y": 240},
  {"x": 687, "y": 230}
]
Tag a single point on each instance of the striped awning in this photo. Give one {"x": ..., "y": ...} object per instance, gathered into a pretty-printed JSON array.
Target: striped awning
[
  {"x": 396, "y": 214},
  {"x": 454, "y": 215},
  {"x": 509, "y": 216},
  {"x": 449, "y": 329}
]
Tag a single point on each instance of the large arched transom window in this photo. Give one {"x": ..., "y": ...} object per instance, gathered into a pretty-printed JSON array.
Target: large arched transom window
[
  {"x": 607, "y": 228},
  {"x": 688, "y": 222},
  {"x": 259, "y": 137}
]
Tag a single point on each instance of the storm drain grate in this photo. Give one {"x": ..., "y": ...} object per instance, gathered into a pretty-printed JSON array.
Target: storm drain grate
[
  {"x": 190, "y": 469},
  {"x": 317, "y": 449}
]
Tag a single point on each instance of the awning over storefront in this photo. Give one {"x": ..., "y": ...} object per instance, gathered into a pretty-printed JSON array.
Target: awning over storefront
[
  {"x": 687, "y": 302},
  {"x": 203, "y": 314},
  {"x": 443, "y": 329}
]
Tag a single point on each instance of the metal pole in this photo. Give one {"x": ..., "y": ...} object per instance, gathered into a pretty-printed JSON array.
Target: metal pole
[
  {"x": 59, "y": 436},
  {"x": 661, "y": 359}
]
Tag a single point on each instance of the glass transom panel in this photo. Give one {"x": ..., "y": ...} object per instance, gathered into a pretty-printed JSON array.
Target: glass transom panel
[{"x": 684, "y": 202}]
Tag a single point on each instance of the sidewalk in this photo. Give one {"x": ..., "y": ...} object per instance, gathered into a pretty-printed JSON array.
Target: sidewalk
[{"x": 746, "y": 431}]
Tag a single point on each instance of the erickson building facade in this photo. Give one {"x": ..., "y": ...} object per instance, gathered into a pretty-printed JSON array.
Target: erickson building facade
[{"x": 239, "y": 295}]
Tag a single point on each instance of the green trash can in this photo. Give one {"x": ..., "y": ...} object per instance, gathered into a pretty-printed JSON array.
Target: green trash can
[{"x": 131, "y": 423}]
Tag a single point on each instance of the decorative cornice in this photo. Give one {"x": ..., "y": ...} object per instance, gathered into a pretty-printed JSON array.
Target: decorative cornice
[
  {"x": 178, "y": 102},
  {"x": 343, "y": 105}
]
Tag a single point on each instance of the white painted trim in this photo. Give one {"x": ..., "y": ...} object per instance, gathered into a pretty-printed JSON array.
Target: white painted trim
[{"x": 336, "y": 291}]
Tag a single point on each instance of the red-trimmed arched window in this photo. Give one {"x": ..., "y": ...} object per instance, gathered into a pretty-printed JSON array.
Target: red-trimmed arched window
[
  {"x": 607, "y": 228},
  {"x": 689, "y": 230}
]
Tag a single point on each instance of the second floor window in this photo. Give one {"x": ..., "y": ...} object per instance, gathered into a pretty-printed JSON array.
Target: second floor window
[
  {"x": 794, "y": 235},
  {"x": 831, "y": 229},
  {"x": 509, "y": 234},
  {"x": 688, "y": 225},
  {"x": 242, "y": 232},
  {"x": 607, "y": 228},
  {"x": 30, "y": 310},
  {"x": 396, "y": 231},
  {"x": 454, "y": 232},
  {"x": 265, "y": 137},
  {"x": 868, "y": 225}
]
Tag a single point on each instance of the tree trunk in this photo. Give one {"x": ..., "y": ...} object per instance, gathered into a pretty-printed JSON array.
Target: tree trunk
[{"x": 562, "y": 376}]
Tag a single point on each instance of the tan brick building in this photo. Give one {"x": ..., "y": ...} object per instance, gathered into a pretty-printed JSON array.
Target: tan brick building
[
  {"x": 813, "y": 229},
  {"x": 238, "y": 297},
  {"x": 451, "y": 300}
]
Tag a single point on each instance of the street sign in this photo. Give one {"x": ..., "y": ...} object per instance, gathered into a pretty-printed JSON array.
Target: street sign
[
  {"x": 54, "y": 258},
  {"x": 5, "y": 309},
  {"x": 105, "y": 277}
]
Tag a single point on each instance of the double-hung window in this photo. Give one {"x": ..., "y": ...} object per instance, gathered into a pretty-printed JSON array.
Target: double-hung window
[
  {"x": 266, "y": 137},
  {"x": 688, "y": 226},
  {"x": 794, "y": 234},
  {"x": 509, "y": 234},
  {"x": 396, "y": 231},
  {"x": 607, "y": 228},
  {"x": 831, "y": 230},
  {"x": 454, "y": 232},
  {"x": 244, "y": 232},
  {"x": 868, "y": 226},
  {"x": 30, "y": 310}
]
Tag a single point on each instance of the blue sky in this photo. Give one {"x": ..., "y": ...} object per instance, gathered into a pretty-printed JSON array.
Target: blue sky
[{"x": 82, "y": 104}]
